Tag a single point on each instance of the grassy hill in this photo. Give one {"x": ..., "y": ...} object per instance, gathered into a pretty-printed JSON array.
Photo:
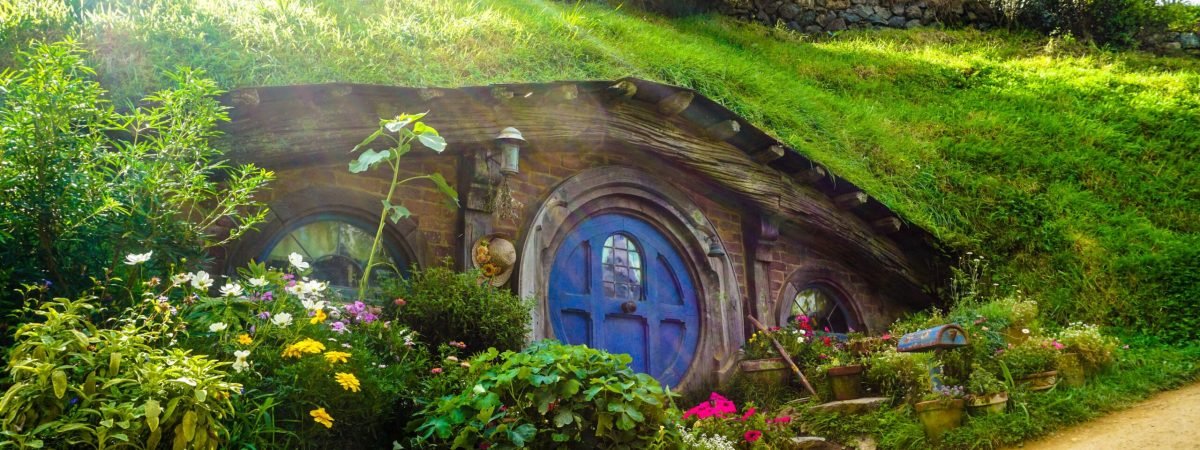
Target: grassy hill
[{"x": 1076, "y": 170}]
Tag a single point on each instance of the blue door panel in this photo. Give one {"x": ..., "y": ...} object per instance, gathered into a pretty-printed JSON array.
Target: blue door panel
[{"x": 662, "y": 332}]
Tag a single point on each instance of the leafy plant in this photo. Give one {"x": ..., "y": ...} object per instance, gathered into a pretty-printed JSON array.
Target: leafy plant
[
  {"x": 1035, "y": 355},
  {"x": 901, "y": 376},
  {"x": 983, "y": 383},
  {"x": 442, "y": 306},
  {"x": 1095, "y": 350},
  {"x": 408, "y": 128},
  {"x": 551, "y": 395},
  {"x": 76, "y": 384}
]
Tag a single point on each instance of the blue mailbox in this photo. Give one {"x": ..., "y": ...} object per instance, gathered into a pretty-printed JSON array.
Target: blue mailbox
[{"x": 939, "y": 337}]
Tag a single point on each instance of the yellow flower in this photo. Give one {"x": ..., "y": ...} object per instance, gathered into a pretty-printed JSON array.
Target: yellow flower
[
  {"x": 300, "y": 348},
  {"x": 318, "y": 317},
  {"x": 336, "y": 357},
  {"x": 244, "y": 339},
  {"x": 320, "y": 416},
  {"x": 348, "y": 381}
]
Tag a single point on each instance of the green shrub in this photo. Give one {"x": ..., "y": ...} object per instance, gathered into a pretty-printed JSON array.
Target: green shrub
[
  {"x": 983, "y": 382},
  {"x": 552, "y": 396},
  {"x": 444, "y": 306},
  {"x": 78, "y": 385},
  {"x": 1034, "y": 355},
  {"x": 902, "y": 376}
]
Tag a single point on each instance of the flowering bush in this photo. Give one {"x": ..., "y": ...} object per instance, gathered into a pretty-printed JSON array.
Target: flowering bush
[
  {"x": 76, "y": 384},
  {"x": 551, "y": 395},
  {"x": 1095, "y": 349},
  {"x": 807, "y": 346},
  {"x": 344, "y": 377},
  {"x": 718, "y": 423},
  {"x": 442, "y": 306},
  {"x": 1034, "y": 355}
]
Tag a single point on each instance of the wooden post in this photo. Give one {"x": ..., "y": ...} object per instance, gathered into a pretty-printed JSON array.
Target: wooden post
[
  {"x": 787, "y": 358},
  {"x": 724, "y": 130},
  {"x": 768, "y": 154},
  {"x": 851, "y": 200},
  {"x": 675, "y": 103}
]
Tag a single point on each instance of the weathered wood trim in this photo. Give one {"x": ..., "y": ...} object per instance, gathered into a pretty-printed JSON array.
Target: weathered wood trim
[
  {"x": 675, "y": 103},
  {"x": 768, "y": 154},
  {"x": 723, "y": 130},
  {"x": 810, "y": 176},
  {"x": 887, "y": 225},
  {"x": 851, "y": 200}
]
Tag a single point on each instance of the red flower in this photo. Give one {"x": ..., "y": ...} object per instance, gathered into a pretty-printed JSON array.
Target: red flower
[
  {"x": 435, "y": 370},
  {"x": 886, "y": 336},
  {"x": 752, "y": 435},
  {"x": 781, "y": 419},
  {"x": 399, "y": 301},
  {"x": 746, "y": 416}
]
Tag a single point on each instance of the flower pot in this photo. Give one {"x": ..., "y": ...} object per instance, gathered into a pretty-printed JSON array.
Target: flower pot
[
  {"x": 771, "y": 371},
  {"x": 846, "y": 381},
  {"x": 1040, "y": 381},
  {"x": 988, "y": 404},
  {"x": 940, "y": 416},
  {"x": 1071, "y": 370}
]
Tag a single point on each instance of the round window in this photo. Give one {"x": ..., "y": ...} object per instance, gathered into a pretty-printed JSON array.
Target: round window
[
  {"x": 822, "y": 306},
  {"x": 337, "y": 249}
]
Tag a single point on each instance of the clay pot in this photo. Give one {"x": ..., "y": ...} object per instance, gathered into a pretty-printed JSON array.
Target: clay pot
[
  {"x": 940, "y": 416},
  {"x": 1040, "y": 381},
  {"x": 771, "y": 371},
  {"x": 846, "y": 381},
  {"x": 988, "y": 404}
]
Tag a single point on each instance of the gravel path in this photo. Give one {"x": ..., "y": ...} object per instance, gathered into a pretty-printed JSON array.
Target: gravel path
[{"x": 1169, "y": 420}]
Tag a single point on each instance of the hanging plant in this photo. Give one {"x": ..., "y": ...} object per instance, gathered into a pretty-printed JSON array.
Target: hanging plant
[{"x": 504, "y": 205}]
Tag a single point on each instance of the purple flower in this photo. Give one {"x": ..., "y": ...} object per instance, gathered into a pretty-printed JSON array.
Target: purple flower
[
  {"x": 288, "y": 277},
  {"x": 339, "y": 327},
  {"x": 356, "y": 308},
  {"x": 264, "y": 315},
  {"x": 268, "y": 296},
  {"x": 252, "y": 328}
]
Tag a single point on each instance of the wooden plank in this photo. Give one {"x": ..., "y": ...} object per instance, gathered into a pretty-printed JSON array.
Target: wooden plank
[
  {"x": 810, "y": 176},
  {"x": 624, "y": 88},
  {"x": 675, "y": 103},
  {"x": 851, "y": 200}
]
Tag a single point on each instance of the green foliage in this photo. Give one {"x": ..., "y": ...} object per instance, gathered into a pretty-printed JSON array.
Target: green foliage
[
  {"x": 76, "y": 384},
  {"x": 84, "y": 185},
  {"x": 903, "y": 377},
  {"x": 982, "y": 382},
  {"x": 552, "y": 396},
  {"x": 443, "y": 306},
  {"x": 1095, "y": 350}
]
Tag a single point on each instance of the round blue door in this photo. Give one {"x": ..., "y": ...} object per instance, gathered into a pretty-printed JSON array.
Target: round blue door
[{"x": 618, "y": 284}]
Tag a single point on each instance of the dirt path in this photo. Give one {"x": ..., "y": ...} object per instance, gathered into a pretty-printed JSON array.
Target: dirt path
[{"x": 1169, "y": 420}]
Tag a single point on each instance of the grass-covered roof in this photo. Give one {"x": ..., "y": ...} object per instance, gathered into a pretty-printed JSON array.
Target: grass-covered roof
[{"x": 1076, "y": 170}]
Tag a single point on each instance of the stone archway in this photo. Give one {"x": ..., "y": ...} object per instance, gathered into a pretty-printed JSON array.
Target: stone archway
[{"x": 631, "y": 192}]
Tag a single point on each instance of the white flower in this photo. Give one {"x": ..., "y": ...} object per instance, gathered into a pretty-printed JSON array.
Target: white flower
[
  {"x": 297, "y": 261},
  {"x": 231, "y": 289},
  {"x": 312, "y": 305},
  {"x": 802, "y": 332},
  {"x": 335, "y": 313},
  {"x": 1025, "y": 330},
  {"x": 241, "y": 363},
  {"x": 258, "y": 282},
  {"x": 201, "y": 280},
  {"x": 983, "y": 328},
  {"x": 180, "y": 279},
  {"x": 282, "y": 319},
  {"x": 217, "y": 327},
  {"x": 134, "y": 259}
]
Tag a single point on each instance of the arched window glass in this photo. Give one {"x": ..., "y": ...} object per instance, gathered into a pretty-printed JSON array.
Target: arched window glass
[
  {"x": 621, "y": 264},
  {"x": 337, "y": 250},
  {"x": 823, "y": 306}
]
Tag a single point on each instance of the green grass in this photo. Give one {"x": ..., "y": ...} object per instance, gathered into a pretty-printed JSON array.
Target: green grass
[{"x": 1075, "y": 168}]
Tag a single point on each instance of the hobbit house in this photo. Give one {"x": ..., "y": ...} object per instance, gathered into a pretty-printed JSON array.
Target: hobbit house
[{"x": 645, "y": 218}]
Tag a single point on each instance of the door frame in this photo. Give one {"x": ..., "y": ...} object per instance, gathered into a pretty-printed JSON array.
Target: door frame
[{"x": 624, "y": 190}]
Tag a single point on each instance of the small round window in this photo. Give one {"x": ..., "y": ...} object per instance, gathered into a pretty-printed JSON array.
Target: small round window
[
  {"x": 824, "y": 307},
  {"x": 621, "y": 264},
  {"x": 338, "y": 250}
]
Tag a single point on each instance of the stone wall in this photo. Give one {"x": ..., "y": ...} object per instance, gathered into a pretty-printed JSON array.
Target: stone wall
[
  {"x": 816, "y": 16},
  {"x": 1186, "y": 42}
]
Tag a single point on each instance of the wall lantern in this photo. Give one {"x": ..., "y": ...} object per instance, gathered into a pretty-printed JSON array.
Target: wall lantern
[{"x": 509, "y": 140}]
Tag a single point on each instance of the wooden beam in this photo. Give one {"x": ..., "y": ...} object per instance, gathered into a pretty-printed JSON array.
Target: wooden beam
[
  {"x": 568, "y": 92},
  {"x": 886, "y": 225},
  {"x": 768, "y": 154},
  {"x": 675, "y": 103},
  {"x": 723, "y": 130},
  {"x": 501, "y": 93},
  {"x": 851, "y": 200},
  {"x": 623, "y": 88},
  {"x": 428, "y": 94},
  {"x": 810, "y": 176}
]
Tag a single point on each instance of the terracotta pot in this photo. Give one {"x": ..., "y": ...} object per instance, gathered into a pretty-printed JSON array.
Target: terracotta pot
[
  {"x": 940, "y": 416},
  {"x": 1040, "y": 381},
  {"x": 1071, "y": 370},
  {"x": 771, "y": 371},
  {"x": 846, "y": 381},
  {"x": 989, "y": 404}
]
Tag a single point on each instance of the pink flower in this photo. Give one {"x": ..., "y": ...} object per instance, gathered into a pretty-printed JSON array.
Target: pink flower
[
  {"x": 716, "y": 406},
  {"x": 781, "y": 419},
  {"x": 435, "y": 370},
  {"x": 886, "y": 336},
  {"x": 752, "y": 435},
  {"x": 1058, "y": 345},
  {"x": 399, "y": 301}
]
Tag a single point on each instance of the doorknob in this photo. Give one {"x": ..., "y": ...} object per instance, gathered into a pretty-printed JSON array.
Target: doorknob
[{"x": 628, "y": 307}]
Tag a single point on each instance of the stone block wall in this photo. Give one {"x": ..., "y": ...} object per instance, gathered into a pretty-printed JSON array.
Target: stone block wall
[{"x": 816, "y": 16}]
